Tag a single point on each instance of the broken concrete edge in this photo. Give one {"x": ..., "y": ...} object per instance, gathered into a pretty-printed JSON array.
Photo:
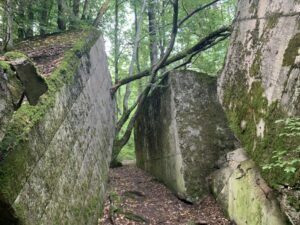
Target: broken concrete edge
[
  {"x": 244, "y": 195},
  {"x": 12, "y": 84},
  {"x": 24, "y": 120},
  {"x": 23, "y": 79}
]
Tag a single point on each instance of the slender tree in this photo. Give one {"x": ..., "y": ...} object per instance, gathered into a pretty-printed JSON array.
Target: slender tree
[
  {"x": 153, "y": 45},
  {"x": 76, "y": 5},
  {"x": 133, "y": 57},
  {"x": 30, "y": 19},
  {"x": 8, "y": 41},
  {"x": 85, "y": 10},
  {"x": 21, "y": 19},
  {"x": 45, "y": 9},
  {"x": 61, "y": 17}
]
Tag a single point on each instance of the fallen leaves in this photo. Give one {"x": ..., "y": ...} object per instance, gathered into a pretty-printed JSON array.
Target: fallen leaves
[{"x": 133, "y": 192}]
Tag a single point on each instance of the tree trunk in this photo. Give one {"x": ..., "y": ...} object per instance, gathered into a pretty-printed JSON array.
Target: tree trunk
[
  {"x": 152, "y": 32},
  {"x": 21, "y": 27},
  {"x": 8, "y": 44},
  {"x": 61, "y": 20},
  {"x": 133, "y": 58},
  {"x": 116, "y": 40},
  {"x": 76, "y": 4},
  {"x": 116, "y": 50},
  {"x": 162, "y": 32},
  {"x": 138, "y": 67},
  {"x": 44, "y": 16},
  {"x": 85, "y": 9},
  {"x": 30, "y": 19}
]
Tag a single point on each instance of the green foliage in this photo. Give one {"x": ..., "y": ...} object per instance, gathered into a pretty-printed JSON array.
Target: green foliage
[
  {"x": 287, "y": 159},
  {"x": 128, "y": 152}
]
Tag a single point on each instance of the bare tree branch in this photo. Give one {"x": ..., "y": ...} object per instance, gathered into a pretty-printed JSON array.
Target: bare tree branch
[
  {"x": 200, "y": 8},
  {"x": 209, "y": 40}
]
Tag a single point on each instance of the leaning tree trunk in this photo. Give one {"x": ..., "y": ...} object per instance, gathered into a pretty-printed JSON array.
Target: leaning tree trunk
[{"x": 104, "y": 7}]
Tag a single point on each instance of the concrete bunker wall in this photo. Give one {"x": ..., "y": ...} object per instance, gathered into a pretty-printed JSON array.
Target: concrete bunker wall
[
  {"x": 54, "y": 166},
  {"x": 181, "y": 132},
  {"x": 260, "y": 84}
]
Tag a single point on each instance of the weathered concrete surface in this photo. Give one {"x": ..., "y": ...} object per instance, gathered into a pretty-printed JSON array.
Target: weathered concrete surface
[
  {"x": 57, "y": 174},
  {"x": 243, "y": 193},
  {"x": 264, "y": 48},
  {"x": 33, "y": 83},
  {"x": 18, "y": 78},
  {"x": 260, "y": 82},
  {"x": 6, "y": 105},
  {"x": 181, "y": 132}
]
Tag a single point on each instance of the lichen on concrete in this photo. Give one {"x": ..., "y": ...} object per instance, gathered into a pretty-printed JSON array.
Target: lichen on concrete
[
  {"x": 245, "y": 196},
  {"x": 260, "y": 87},
  {"x": 57, "y": 151},
  {"x": 180, "y": 133}
]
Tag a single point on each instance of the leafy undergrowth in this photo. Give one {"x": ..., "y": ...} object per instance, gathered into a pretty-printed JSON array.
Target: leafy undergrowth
[
  {"x": 137, "y": 198},
  {"x": 47, "y": 52},
  {"x": 127, "y": 153}
]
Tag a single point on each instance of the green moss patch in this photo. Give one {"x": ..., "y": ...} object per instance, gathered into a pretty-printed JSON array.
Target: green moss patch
[
  {"x": 255, "y": 67},
  {"x": 250, "y": 108},
  {"x": 272, "y": 19},
  {"x": 14, "y": 55},
  {"x": 292, "y": 51}
]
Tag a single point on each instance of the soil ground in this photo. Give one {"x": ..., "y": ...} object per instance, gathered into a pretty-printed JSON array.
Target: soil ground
[{"x": 134, "y": 198}]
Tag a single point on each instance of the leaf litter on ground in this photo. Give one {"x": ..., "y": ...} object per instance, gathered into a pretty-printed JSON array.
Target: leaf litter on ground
[{"x": 135, "y": 198}]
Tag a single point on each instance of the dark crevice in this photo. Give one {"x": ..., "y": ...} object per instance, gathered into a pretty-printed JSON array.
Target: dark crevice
[{"x": 7, "y": 214}]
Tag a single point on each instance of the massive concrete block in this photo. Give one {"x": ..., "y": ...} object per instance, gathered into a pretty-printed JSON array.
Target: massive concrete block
[
  {"x": 181, "y": 132},
  {"x": 56, "y": 154},
  {"x": 243, "y": 193},
  {"x": 260, "y": 84}
]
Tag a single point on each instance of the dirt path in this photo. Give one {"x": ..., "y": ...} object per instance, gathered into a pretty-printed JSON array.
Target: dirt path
[{"x": 137, "y": 198}]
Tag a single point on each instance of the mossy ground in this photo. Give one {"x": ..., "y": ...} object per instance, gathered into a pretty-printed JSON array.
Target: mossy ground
[{"x": 14, "y": 55}]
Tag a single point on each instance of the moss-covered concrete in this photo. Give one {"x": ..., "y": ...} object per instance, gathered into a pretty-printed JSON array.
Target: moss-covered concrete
[
  {"x": 292, "y": 51},
  {"x": 57, "y": 151},
  {"x": 245, "y": 196},
  {"x": 259, "y": 84}
]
